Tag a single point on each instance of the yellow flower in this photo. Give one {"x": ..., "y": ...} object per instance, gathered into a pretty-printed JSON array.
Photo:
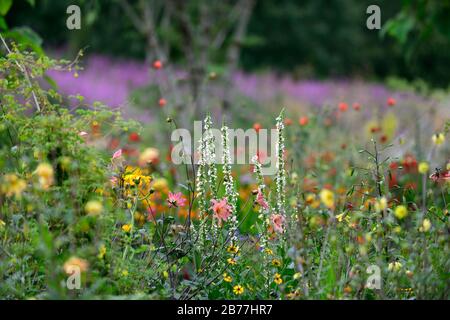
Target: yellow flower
[
  {"x": 45, "y": 173},
  {"x": 238, "y": 289},
  {"x": 401, "y": 212},
  {"x": 381, "y": 204},
  {"x": 231, "y": 261},
  {"x": 126, "y": 228},
  {"x": 277, "y": 278},
  {"x": 160, "y": 185},
  {"x": 233, "y": 249},
  {"x": 125, "y": 273},
  {"x": 13, "y": 185},
  {"x": 310, "y": 197},
  {"x": 268, "y": 251},
  {"x": 139, "y": 218},
  {"x": 74, "y": 263},
  {"x": 227, "y": 278},
  {"x": 276, "y": 262},
  {"x": 165, "y": 274},
  {"x": 438, "y": 138},
  {"x": 394, "y": 266},
  {"x": 426, "y": 225},
  {"x": 340, "y": 217},
  {"x": 101, "y": 251},
  {"x": 423, "y": 167},
  {"x": 297, "y": 275},
  {"x": 93, "y": 208},
  {"x": 134, "y": 177},
  {"x": 327, "y": 198}
]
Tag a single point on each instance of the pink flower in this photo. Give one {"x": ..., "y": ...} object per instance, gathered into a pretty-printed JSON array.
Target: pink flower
[
  {"x": 117, "y": 154},
  {"x": 221, "y": 209},
  {"x": 176, "y": 200},
  {"x": 261, "y": 201},
  {"x": 278, "y": 222},
  {"x": 82, "y": 133}
]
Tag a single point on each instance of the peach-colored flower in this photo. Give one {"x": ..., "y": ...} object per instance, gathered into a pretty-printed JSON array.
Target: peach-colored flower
[
  {"x": 221, "y": 209},
  {"x": 278, "y": 221},
  {"x": 176, "y": 200}
]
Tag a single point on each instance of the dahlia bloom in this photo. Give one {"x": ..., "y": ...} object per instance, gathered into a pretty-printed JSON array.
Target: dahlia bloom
[
  {"x": 176, "y": 200},
  {"x": 221, "y": 209}
]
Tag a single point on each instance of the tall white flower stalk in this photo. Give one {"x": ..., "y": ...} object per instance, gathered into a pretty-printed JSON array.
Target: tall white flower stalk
[
  {"x": 280, "y": 178},
  {"x": 263, "y": 213},
  {"x": 230, "y": 191},
  {"x": 206, "y": 174}
]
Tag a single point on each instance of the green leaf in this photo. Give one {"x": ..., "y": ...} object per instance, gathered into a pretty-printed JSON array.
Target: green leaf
[
  {"x": 26, "y": 37},
  {"x": 5, "y": 5},
  {"x": 3, "y": 25}
]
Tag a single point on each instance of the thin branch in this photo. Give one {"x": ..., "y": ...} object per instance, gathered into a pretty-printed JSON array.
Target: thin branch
[{"x": 25, "y": 72}]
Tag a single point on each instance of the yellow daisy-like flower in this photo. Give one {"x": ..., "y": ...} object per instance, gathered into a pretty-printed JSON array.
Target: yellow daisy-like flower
[
  {"x": 423, "y": 167},
  {"x": 227, "y": 278},
  {"x": 93, "y": 208},
  {"x": 231, "y": 261},
  {"x": 381, "y": 204},
  {"x": 45, "y": 173},
  {"x": 13, "y": 185},
  {"x": 161, "y": 185},
  {"x": 395, "y": 266},
  {"x": 268, "y": 251},
  {"x": 426, "y": 225},
  {"x": 134, "y": 177},
  {"x": 101, "y": 252},
  {"x": 327, "y": 198},
  {"x": 126, "y": 228},
  {"x": 276, "y": 262},
  {"x": 277, "y": 278},
  {"x": 238, "y": 289},
  {"x": 438, "y": 138},
  {"x": 233, "y": 249},
  {"x": 401, "y": 212}
]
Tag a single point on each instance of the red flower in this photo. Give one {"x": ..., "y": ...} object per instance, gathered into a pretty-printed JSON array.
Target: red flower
[
  {"x": 356, "y": 106},
  {"x": 440, "y": 176},
  {"x": 133, "y": 137},
  {"x": 343, "y": 106},
  {"x": 257, "y": 126},
  {"x": 391, "y": 102},
  {"x": 303, "y": 121},
  {"x": 162, "y": 102},
  {"x": 287, "y": 121},
  {"x": 157, "y": 64}
]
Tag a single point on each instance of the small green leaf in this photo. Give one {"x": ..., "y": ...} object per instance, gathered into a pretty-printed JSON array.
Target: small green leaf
[{"x": 5, "y": 5}]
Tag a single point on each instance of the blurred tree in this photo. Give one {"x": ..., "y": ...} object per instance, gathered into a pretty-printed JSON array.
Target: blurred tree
[{"x": 309, "y": 38}]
